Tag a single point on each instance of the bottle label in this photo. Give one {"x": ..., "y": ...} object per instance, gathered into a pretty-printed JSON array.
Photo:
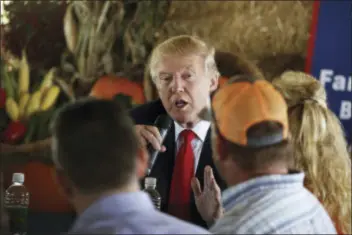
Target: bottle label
[
  {"x": 157, "y": 203},
  {"x": 18, "y": 219}
]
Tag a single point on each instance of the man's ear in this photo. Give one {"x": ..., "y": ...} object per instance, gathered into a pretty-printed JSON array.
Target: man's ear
[
  {"x": 214, "y": 83},
  {"x": 142, "y": 162},
  {"x": 65, "y": 185}
]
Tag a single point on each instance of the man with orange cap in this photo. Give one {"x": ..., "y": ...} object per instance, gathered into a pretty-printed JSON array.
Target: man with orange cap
[{"x": 252, "y": 154}]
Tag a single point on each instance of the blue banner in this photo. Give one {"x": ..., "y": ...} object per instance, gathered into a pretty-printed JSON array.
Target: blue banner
[{"x": 329, "y": 56}]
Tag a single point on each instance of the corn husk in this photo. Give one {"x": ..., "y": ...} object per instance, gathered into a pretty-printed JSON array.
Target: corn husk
[
  {"x": 24, "y": 73},
  {"x": 23, "y": 103},
  {"x": 50, "y": 98},
  {"x": 70, "y": 29},
  {"x": 12, "y": 109},
  {"x": 33, "y": 103},
  {"x": 48, "y": 80}
]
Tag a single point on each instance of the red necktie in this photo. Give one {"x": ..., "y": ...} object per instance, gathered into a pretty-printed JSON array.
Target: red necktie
[{"x": 180, "y": 191}]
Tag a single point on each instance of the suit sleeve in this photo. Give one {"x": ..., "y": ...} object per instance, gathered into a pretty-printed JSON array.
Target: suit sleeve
[
  {"x": 139, "y": 114},
  {"x": 146, "y": 114}
]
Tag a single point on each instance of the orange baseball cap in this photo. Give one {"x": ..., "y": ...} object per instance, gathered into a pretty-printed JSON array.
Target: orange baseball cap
[{"x": 243, "y": 102}]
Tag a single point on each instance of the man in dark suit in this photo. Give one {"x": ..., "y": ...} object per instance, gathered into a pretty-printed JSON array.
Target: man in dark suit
[{"x": 184, "y": 72}]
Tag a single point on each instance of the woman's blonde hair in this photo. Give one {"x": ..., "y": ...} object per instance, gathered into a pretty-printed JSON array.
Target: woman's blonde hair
[
  {"x": 320, "y": 148},
  {"x": 183, "y": 45}
]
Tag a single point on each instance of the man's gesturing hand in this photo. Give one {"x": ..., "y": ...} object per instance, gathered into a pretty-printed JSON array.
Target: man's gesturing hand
[
  {"x": 208, "y": 201},
  {"x": 150, "y": 134}
]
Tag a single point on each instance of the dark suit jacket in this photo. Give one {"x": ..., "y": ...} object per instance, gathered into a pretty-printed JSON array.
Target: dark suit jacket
[{"x": 146, "y": 114}]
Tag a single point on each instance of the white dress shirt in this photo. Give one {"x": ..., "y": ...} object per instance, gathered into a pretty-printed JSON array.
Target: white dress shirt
[{"x": 201, "y": 130}]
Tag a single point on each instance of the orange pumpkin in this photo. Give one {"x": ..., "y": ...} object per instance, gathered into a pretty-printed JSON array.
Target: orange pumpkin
[{"x": 108, "y": 86}]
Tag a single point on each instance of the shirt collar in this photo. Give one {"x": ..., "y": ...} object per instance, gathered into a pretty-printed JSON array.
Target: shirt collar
[
  {"x": 114, "y": 206},
  {"x": 235, "y": 194},
  {"x": 200, "y": 129}
]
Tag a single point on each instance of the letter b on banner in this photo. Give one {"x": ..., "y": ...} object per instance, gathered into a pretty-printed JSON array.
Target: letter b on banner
[{"x": 346, "y": 110}]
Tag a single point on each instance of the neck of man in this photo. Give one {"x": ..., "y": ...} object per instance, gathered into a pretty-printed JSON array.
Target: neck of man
[
  {"x": 82, "y": 201},
  {"x": 239, "y": 176},
  {"x": 189, "y": 125}
]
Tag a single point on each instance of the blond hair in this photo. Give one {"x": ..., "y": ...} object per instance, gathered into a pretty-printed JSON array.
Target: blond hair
[
  {"x": 183, "y": 45},
  {"x": 320, "y": 148}
]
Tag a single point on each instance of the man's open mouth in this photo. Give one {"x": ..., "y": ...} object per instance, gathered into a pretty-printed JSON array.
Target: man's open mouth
[{"x": 180, "y": 103}]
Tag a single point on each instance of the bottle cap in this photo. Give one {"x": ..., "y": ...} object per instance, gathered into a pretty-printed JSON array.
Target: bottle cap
[
  {"x": 150, "y": 181},
  {"x": 18, "y": 178}
]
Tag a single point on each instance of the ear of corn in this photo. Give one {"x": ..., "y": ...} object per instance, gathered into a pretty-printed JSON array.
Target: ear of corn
[
  {"x": 23, "y": 103},
  {"x": 33, "y": 103},
  {"x": 10, "y": 90},
  {"x": 70, "y": 29},
  {"x": 23, "y": 81},
  {"x": 48, "y": 80},
  {"x": 50, "y": 98},
  {"x": 12, "y": 109}
]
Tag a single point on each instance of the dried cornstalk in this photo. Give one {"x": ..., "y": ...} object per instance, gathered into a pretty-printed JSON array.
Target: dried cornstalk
[
  {"x": 70, "y": 29},
  {"x": 143, "y": 30},
  {"x": 90, "y": 38},
  {"x": 100, "y": 23}
]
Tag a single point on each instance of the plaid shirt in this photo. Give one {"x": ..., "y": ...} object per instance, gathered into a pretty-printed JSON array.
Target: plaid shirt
[{"x": 273, "y": 204}]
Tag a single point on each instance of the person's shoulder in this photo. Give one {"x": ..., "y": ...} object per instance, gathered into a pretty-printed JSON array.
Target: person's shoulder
[
  {"x": 227, "y": 225},
  {"x": 178, "y": 226},
  {"x": 190, "y": 228},
  {"x": 146, "y": 114}
]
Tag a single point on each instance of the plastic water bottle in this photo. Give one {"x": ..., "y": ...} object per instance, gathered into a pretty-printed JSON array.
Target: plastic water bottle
[
  {"x": 16, "y": 204},
  {"x": 149, "y": 187}
]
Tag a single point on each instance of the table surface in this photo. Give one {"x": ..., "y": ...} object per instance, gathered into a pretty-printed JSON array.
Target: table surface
[{"x": 4, "y": 226}]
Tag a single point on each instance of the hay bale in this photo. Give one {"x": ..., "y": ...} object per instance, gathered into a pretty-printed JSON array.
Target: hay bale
[
  {"x": 272, "y": 35},
  {"x": 259, "y": 29}
]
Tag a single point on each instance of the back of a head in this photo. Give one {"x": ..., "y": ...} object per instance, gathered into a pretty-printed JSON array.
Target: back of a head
[
  {"x": 309, "y": 116},
  {"x": 182, "y": 45},
  {"x": 320, "y": 147},
  {"x": 235, "y": 64},
  {"x": 95, "y": 144},
  {"x": 261, "y": 158},
  {"x": 312, "y": 123},
  {"x": 250, "y": 116},
  {"x": 297, "y": 87}
]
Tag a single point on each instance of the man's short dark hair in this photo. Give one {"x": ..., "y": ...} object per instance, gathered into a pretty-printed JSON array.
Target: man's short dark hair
[
  {"x": 256, "y": 158},
  {"x": 95, "y": 144}
]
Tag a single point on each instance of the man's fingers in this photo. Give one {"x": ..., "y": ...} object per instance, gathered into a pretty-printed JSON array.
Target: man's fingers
[
  {"x": 154, "y": 130},
  {"x": 150, "y": 138},
  {"x": 196, "y": 187},
  {"x": 142, "y": 141},
  {"x": 150, "y": 134},
  {"x": 208, "y": 177},
  {"x": 206, "y": 183},
  {"x": 216, "y": 189}
]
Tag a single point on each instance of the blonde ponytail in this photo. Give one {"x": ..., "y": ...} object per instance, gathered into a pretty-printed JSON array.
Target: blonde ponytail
[{"x": 320, "y": 148}]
